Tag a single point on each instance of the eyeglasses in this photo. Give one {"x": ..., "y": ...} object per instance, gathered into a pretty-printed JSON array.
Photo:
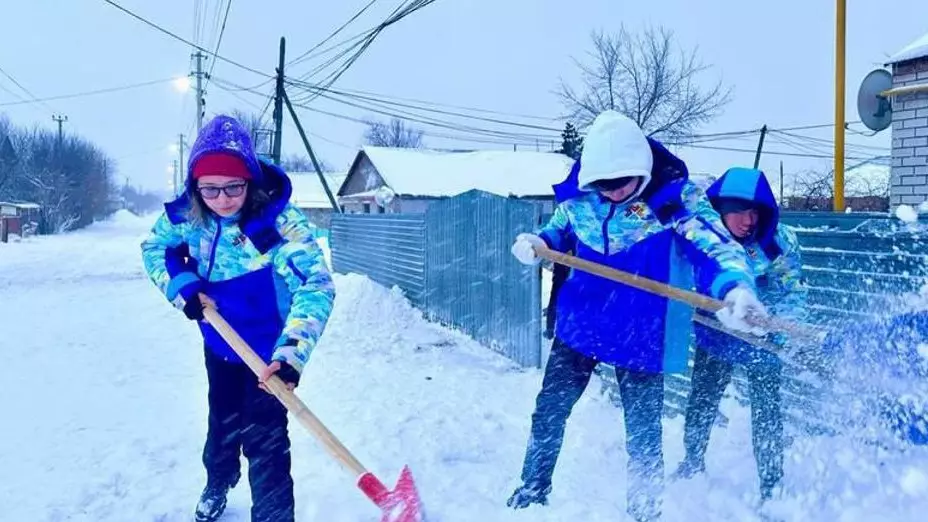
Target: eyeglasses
[
  {"x": 608, "y": 185},
  {"x": 233, "y": 191}
]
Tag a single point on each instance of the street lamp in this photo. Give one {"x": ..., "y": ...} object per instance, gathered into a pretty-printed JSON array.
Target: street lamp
[{"x": 182, "y": 84}]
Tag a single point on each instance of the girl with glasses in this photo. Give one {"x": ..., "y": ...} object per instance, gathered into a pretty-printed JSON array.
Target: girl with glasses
[{"x": 234, "y": 241}]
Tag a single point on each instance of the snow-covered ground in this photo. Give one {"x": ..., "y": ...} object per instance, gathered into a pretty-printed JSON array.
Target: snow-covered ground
[{"x": 109, "y": 413}]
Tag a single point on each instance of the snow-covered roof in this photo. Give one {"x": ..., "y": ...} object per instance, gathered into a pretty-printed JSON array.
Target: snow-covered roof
[
  {"x": 913, "y": 51},
  {"x": 418, "y": 172},
  {"x": 308, "y": 191},
  {"x": 21, "y": 206}
]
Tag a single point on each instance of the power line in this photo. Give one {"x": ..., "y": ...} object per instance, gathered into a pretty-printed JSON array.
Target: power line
[
  {"x": 301, "y": 57},
  {"x": 196, "y": 20},
  {"x": 89, "y": 93},
  {"x": 14, "y": 94},
  {"x": 222, "y": 85},
  {"x": 25, "y": 90},
  {"x": 829, "y": 142},
  {"x": 436, "y": 111},
  {"x": 184, "y": 40},
  {"x": 766, "y": 152},
  {"x": 437, "y": 104},
  {"x": 357, "y": 39},
  {"x": 222, "y": 31},
  {"x": 398, "y": 14}
]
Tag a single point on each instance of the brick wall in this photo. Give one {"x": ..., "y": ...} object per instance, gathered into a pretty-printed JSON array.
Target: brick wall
[{"x": 910, "y": 136}]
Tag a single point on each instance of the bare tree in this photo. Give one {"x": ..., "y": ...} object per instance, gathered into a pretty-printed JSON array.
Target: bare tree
[
  {"x": 648, "y": 78},
  {"x": 814, "y": 189},
  {"x": 297, "y": 163},
  {"x": 70, "y": 178},
  {"x": 392, "y": 134},
  {"x": 257, "y": 127}
]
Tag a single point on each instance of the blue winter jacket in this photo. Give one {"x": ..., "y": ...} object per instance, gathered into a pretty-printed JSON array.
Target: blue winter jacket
[
  {"x": 265, "y": 271},
  {"x": 773, "y": 257},
  {"x": 660, "y": 235}
]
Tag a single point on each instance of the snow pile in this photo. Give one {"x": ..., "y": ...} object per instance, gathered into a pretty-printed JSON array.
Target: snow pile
[
  {"x": 906, "y": 214},
  {"x": 913, "y": 51},
  {"x": 124, "y": 219}
]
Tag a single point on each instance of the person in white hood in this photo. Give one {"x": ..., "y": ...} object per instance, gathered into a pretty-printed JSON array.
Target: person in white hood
[{"x": 627, "y": 204}]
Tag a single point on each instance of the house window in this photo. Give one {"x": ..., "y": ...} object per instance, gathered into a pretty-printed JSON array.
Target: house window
[
  {"x": 380, "y": 209},
  {"x": 367, "y": 208}
]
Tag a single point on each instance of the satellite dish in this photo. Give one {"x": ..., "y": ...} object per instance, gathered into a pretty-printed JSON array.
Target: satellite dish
[
  {"x": 875, "y": 110},
  {"x": 384, "y": 196}
]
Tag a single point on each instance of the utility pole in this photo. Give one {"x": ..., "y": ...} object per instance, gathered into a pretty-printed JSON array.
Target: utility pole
[
  {"x": 312, "y": 156},
  {"x": 60, "y": 119},
  {"x": 201, "y": 100},
  {"x": 760, "y": 146},
  {"x": 781, "y": 183},
  {"x": 174, "y": 178},
  {"x": 840, "y": 32},
  {"x": 178, "y": 187},
  {"x": 279, "y": 104}
]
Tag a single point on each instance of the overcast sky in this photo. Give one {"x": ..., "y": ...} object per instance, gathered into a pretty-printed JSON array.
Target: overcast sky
[{"x": 505, "y": 56}]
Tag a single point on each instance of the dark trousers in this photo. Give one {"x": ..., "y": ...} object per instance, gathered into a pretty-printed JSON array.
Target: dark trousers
[
  {"x": 566, "y": 376},
  {"x": 710, "y": 377},
  {"x": 244, "y": 418}
]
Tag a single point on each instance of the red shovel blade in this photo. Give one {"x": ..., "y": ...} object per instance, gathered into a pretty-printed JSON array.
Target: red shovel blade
[{"x": 400, "y": 505}]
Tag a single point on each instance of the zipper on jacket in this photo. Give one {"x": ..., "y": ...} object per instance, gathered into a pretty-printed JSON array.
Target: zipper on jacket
[
  {"x": 212, "y": 249},
  {"x": 606, "y": 228}
]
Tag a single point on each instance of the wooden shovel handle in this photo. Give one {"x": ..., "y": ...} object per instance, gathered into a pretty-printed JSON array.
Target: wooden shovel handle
[
  {"x": 289, "y": 399},
  {"x": 691, "y": 298}
]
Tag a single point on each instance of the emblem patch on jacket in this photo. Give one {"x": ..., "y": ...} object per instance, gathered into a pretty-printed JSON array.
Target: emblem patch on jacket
[{"x": 639, "y": 209}]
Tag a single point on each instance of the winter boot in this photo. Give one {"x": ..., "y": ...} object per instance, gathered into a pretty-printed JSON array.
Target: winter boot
[
  {"x": 769, "y": 490},
  {"x": 528, "y": 494},
  {"x": 688, "y": 469},
  {"x": 212, "y": 502}
]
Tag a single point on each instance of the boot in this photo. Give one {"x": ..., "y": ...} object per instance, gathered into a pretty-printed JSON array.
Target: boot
[
  {"x": 688, "y": 469},
  {"x": 212, "y": 502},
  {"x": 528, "y": 494}
]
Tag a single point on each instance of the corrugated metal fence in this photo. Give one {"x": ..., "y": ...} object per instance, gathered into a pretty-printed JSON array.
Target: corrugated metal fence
[{"x": 453, "y": 262}]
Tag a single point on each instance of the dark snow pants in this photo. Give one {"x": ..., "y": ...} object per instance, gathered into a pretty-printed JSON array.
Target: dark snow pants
[
  {"x": 566, "y": 376},
  {"x": 711, "y": 375},
  {"x": 244, "y": 418}
]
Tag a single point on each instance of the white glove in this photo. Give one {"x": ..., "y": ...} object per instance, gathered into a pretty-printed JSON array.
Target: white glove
[
  {"x": 524, "y": 248},
  {"x": 741, "y": 304}
]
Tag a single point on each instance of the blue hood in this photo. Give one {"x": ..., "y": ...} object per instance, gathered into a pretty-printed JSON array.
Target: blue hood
[
  {"x": 666, "y": 169},
  {"x": 224, "y": 134},
  {"x": 751, "y": 185}
]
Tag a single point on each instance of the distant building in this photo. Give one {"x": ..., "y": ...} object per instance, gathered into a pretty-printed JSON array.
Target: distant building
[
  {"x": 310, "y": 197},
  {"x": 910, "y": 125},
  {"x": 18, "y": 219},
  {"x": 418, "y": 177}
]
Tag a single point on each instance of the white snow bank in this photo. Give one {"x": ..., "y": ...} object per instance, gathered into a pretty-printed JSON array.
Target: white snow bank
[{"x": 113, "y": 425}]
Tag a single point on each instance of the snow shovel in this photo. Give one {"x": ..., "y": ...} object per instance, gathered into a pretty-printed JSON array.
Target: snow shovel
[
  {"x": 402, "y": 504},
  {"x": 696, "y": 300}
]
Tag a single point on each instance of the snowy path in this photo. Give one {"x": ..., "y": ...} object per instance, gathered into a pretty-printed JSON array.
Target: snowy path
[{"x": 112, "y": 419}]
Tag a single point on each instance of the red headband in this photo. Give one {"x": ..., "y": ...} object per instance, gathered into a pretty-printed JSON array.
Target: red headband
[{"x": 221, "y": 164}]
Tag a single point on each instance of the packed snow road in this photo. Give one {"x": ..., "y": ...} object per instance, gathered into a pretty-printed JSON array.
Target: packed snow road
[{"x": 104, "y": 413}]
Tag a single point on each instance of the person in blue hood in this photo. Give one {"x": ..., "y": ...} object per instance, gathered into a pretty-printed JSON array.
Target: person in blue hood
[
  {"x": 743, "y": 198},
  {"x": 627, "y": 204},
  {"x": 234, "y": 241}
]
